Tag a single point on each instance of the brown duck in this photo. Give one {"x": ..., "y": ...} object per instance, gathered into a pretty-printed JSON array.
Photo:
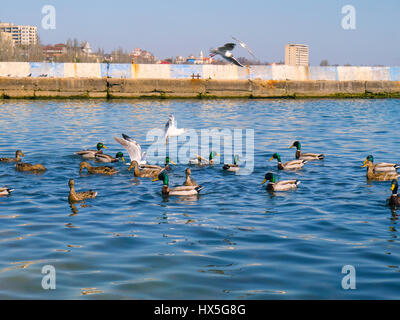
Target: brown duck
[
  {"x": 189, "y": 181},
  {"x": 18, "y": 155},
  {"x": 79, "y": 196},
  {"x": 97, "y": 170},
  {"x": 27, "y": 167},
  {"x": 145, "y": 172}
]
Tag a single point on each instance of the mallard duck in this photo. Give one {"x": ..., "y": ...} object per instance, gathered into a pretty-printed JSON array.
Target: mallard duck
[
  {"x": 27, "y": 167},
  {"x": 232, "y": 167},
  {"x": 177, "y": 191},
  {"x": 79, "y": 196},
  {"x": 394, "y": 200},
  {"x": 18, "y": 155},
  {"x": 372, "y": 174},
  {"x": 91, "y": 154},
  {"x": 133, "y": 148},
  {"x": 189, "y": 181},
  {"x": 5, "y": 191},
  {"x": 167, "y": 166},
  {"x": 290, "y": 165},
  {"x": 275, "y": 185},
  {"x": 145, "y": 172},
  {"x": 97, "y": 170},
  {"x": 101, "y": 157},
  {"x": 306, "y": 156},
  {"x": 199, "y": 160},
  {"x": 382, "y": 166}
]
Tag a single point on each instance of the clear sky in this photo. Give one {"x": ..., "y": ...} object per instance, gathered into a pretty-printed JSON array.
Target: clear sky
[{"x": 176, "y": 27}]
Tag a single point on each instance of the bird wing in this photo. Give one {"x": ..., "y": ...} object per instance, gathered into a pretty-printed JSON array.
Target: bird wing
[
  {"x": 133, "y": 148},
  {"x": 234, "y": 61},
  {"x": 243, "y": 45},
  {"x": 227, "y": 47}
]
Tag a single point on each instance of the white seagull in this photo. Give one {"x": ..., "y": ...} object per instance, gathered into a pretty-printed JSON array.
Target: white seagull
[
  {"x": 171, "y": 130},
  {"x": 133, "y": 148},
  {"x": 243, "y": 45},
  {"x": 225, "y": 52}
]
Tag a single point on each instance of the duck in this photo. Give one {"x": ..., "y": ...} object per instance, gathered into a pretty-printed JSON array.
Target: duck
[
  {"x": 232, "y": 167},
  {"x": 176, "y": 191},
  {"x": 91, "y": 154},
  {"x": 394, "y": 200},
  {"x": 27, "y": 167},
  {"x": 79, "y": 196},
  {"x": 102, "y": 157},
  {"x": 5, "y": 191},
  {"x": 18, "y": 155},
  {"x": 382, "y": 166},
  {"x": 306, "y": 156},
  {"x": 145, "y": 172},
  {"x": 134, "y": 149},
  {"x": 274, "y": 185},
  {"x": 290, "y": 165},
  {"x": 189, "y": 181},
  {"x": 373, "y": 174},
  {"x": 167, "y": 164},
  {"x": 199, "y": 160},
  {"x": 96, "y": 170}
]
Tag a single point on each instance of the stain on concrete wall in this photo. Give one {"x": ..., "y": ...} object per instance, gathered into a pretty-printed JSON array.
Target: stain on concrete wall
[{"x": 151, "y": 71}]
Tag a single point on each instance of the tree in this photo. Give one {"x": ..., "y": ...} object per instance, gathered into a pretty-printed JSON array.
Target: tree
[{"x": 324, "y": 63}]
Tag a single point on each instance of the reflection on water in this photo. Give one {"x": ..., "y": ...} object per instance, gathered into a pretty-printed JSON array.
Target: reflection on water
[{"x": 236, "y": 240}]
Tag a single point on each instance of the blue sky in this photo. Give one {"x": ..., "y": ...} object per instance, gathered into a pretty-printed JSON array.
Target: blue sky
[{"x": 176, "y": 27}]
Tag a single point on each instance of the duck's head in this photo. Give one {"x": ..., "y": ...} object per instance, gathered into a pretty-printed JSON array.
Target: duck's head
[
  {"x": 71, "y": 183},
  {"x": 101, "y": 146},
  {"x": 19, "y": 153},
  {"x": 188, "y": 172},
  {"x": 367, "y": 163},
  {"x": 83, "y": 165},
  {"x": 394, "y": 186},
  {"x": 275, "y": 156},
  {"x": 369, "y": 158},
  {"x": 269, "y": 177},
  {"x": 168, "y": 161},
  {"x": 163, "y": 176},
  {"x": 236, "y": 159},
  {"x": 133, "y": 164},
  {"x": 296, "y": 144},
  {"x": 213, "y": 155},
  {"x": 120, "y": 155}
]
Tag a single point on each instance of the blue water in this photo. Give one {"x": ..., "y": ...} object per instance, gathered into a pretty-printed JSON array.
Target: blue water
[{"x": 236, "y": 241}]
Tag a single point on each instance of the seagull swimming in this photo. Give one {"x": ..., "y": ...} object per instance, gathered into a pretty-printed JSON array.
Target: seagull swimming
[
  {"x": 171, "y": 130},
  {"x": 243, "y": 45},
  {"x": 225, "y": 52},
  {"x": 133, "y": 148}
]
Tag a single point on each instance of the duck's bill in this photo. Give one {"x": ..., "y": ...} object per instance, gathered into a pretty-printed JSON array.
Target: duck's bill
[
  {"x": 292, "y": 146},
  {"x": 122, "y": 158},
  {"x": 364, "y": 165},
  {"x": 104, "y": 146},
  {"x": 272, "y": 158},
  {"x": 365, "y": 161},
  {"x": 392, "y": 187},
  {"x": 155, "y": 179},
  {"x": 265, "y": 180},
  {"x": 173, "y": 163}
]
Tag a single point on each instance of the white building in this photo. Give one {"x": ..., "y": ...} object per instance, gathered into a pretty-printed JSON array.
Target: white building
[
  {"x": 25, "y": 35},
  {"x": 296, "y": 55}
]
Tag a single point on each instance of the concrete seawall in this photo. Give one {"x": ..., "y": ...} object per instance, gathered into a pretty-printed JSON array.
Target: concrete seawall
[{"x": 32, "y": 88}]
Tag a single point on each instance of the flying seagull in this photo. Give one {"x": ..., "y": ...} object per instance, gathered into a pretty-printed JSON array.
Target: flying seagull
[
  {"x": 243, "y": 45},
  {"x": 225, "y": 52},
  {"x": 134, "y": 149}
]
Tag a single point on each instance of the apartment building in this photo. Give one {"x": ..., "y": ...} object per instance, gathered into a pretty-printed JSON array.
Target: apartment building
[
  {"x": 296, "y": 55},
  {"x": 25, "y": 35}
]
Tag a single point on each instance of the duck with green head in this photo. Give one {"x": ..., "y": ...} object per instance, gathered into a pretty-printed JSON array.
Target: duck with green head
[
  {"x": 167, "y": 165},
  {"x": 91, "y": 154},
  {"x": 274, "y": 185},
  {"x": 201, "y": 161},
  {"x": 101, "y": 157},
  {"x": 176, "y": 191},
  {"x": 373, "y": 174},
  {"x": 381, "y": 166},
  {"x": 290, "y": 165},
  {"x": 394, "y": 200},
  {"x": 232, "y": 167},
  {"x": 306, "y": 156},
  {"x": 18, "y": 155}
]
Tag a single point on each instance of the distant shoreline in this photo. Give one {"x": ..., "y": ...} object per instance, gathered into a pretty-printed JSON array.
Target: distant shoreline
[{"x": 112, "y": 88}]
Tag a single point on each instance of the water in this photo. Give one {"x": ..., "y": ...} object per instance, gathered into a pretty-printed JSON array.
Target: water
[{"x": 237, "y": 241}]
